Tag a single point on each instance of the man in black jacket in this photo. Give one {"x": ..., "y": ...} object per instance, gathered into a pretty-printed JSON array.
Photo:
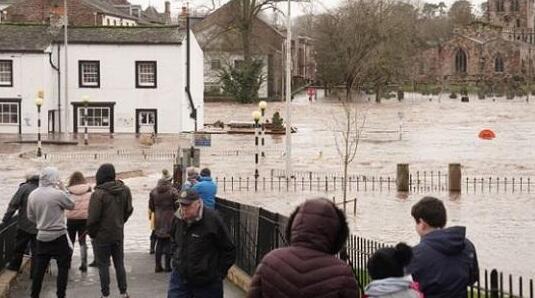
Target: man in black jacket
[
  {"x": 26, "y": 230},
  {"x": 109, "y": 209},
  {"x": 204, "y": 251},
  {"x": 445, "y": 261}
]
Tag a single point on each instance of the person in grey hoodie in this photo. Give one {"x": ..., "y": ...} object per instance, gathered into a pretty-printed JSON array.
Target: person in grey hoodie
[
  {"x": 46, "y": 208},
  {"x": 26, "y": 230},
  {"x": 110, "y": 207},
  {"x": 387, "y": 269}
]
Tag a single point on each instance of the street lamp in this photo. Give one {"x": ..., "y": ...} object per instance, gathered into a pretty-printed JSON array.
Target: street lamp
[
  {"x": 85, "y": 101},
  {"x": 39, "y": 102},
  {"x": 256, "y": 116},
  {"x": 262, "y": 105}
]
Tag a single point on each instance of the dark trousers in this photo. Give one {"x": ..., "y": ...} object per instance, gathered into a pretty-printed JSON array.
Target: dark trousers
[
  {"x": 76, "y": 226},
  {"x": 60, "y": 250},
  {"x": 103, "y": 253},
  {"x": 163, "y": 248},
  {"x": 179, "y": 288},
  {"x": 21, "y": 243},
  {"x": 152, "y": 241}
]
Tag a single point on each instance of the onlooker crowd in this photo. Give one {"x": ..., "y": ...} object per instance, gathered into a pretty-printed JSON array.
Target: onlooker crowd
[{"x": 196, "y": 247}]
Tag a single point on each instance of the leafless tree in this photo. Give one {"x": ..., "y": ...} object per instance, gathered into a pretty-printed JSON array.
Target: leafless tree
[{"x": 347, "y": 135}]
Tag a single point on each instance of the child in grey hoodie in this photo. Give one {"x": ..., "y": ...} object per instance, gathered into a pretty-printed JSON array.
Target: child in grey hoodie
[
  {"x": 46, "y": 207},
  {"x": 387, "y": 269}
]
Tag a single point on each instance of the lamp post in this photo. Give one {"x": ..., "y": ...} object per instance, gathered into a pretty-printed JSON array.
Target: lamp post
[
  {"x": 85, "y": 101},
  {"x": 39, "y": 102},
  {"x": 256, "y": 116},
  {"x": 262, "y": 105}
]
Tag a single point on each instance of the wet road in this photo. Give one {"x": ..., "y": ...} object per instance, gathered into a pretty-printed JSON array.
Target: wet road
[{"x": 141, "y": 280}]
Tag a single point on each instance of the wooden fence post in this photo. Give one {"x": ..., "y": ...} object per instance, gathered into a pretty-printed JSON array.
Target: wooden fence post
[
  {"x": 402, "y": 178},
  {"x": 454, "y": 175}
]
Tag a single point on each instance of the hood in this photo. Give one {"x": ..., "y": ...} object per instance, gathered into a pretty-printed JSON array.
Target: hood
[
  {"x": 114, "y": 187},
  {"x": 105, "y": 173},
  {"x": 317, "y": 224},
  {"x": 33, "y": 179},
  {"x": 386, "y": 286},
  {"x": 205, "y": 178},
  {"x": 163, "y": 185},
  {"x": 49, "y": 177},
  {"x": 448, "y": 241},
  {"x": 79, "y": 189}
]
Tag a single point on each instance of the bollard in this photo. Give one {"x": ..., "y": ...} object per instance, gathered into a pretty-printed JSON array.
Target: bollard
[
  {"x": 454, "y": 175},
  {"x": 402, "y": 179}
]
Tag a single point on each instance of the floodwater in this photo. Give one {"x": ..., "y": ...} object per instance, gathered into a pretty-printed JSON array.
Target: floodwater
[{"x": 434, "y": 133}]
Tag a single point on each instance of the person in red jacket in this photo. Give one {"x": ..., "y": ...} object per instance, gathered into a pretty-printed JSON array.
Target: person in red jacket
[{"x": 317, "y": 230}]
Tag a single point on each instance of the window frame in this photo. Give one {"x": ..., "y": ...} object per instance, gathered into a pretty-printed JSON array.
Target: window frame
[
  {"x": 10, "y": 83},
  {"x": 9, "y": 113},
  {"x": 141, "y": 85},
  {"x": 81, "y": 82},
  {"x": 461, "y": 61},
  {"x": 499, "y": 65},
  {"x": 81, "y": 116}
]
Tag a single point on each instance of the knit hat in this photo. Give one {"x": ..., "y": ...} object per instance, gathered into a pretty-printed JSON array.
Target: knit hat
[
  {"x": 389, "y": 261},
  {"x": 192, "y": 173},
  {"x": 105, "y": 173},
  {"x": 166, "y": 175}
]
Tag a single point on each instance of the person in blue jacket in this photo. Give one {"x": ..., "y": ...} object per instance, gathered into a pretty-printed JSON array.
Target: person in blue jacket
[
  {"x": 445, "y": 261},
  {"x": 206, "y": 188}
]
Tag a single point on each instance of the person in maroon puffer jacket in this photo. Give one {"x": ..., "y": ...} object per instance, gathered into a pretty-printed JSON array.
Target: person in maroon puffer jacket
[{"x": 317, "y": 231}]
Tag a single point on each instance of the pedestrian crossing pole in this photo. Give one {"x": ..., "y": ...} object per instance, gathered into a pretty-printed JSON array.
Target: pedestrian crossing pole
[
  {"x": 262, "y": 105},
  {"x": 256, "y": 117}
]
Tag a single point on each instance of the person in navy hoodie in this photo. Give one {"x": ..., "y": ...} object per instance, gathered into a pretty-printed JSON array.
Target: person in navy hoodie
[
  {"x": 445, "y": 261},
  {"x": 206, "y": 188}
]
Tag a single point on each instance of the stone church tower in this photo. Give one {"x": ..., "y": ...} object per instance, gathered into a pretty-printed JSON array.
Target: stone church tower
[{"x": 511, "y": 14}]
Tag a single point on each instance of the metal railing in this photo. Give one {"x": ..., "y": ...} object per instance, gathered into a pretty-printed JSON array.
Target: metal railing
[
  {"x": 418, "y": 182},
  {"x": 8, "y": 231},
  {"x": 257, "y": 231}
]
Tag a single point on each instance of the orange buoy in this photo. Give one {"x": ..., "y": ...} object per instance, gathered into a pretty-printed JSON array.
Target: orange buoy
[{"x": 487, "y": 134}]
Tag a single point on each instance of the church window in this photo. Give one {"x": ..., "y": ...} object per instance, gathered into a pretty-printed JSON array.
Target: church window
[
  {"x": 515, "y": 6},
  {"x": 498, "y": 64},
  {"x": 460, "y": 61},
  {"x": 499, "y": 5}
]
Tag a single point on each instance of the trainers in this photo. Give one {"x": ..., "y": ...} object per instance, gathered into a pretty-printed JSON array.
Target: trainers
[
  {"x": 83, "y": 268},
  {"x": 93, "y": 264},
  {"x": 125, "y": 295}
]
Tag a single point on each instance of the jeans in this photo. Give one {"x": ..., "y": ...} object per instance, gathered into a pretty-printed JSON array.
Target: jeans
[
  {"x": 103, "y": 253},
  {"x": 21, "y": 243},
  {"x": 179, "y": 288},
  {"x": 60, "y": 250}
]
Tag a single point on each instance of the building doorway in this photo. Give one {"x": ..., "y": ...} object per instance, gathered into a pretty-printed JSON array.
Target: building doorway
[{"x": 146, "y": 121}]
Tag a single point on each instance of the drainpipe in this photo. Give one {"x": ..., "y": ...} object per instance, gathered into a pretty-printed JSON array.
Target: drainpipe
[
  {"x": 56, "y": 68},
  {"x": 193, "y": 114}
]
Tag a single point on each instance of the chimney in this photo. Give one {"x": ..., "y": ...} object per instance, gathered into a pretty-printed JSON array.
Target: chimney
[
  {"x": 168, "y": 7},
  {"x": 182, "y": 17},
  {"x": 167, "y": 11}
]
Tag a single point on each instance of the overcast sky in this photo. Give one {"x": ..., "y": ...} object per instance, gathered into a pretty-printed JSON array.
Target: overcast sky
[{"x": 297, "y": 8}]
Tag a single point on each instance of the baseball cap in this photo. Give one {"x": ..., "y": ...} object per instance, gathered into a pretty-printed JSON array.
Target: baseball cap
[{"x": 188, "y": 196}]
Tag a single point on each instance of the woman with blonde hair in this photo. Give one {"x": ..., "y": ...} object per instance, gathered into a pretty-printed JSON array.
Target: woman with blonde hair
[{"x": 80, "y": 192}]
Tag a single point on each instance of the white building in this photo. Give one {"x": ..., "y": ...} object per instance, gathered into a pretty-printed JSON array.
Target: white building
[{"x": 133, "y": 78}]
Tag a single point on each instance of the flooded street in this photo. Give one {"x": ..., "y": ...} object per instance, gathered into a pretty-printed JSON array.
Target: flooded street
[{"x": 434, "y": 133}]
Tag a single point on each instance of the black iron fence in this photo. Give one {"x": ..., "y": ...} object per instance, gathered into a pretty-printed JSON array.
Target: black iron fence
[
  {"x": 418, "y": 182},
  {"x": 257, "y": 231},
  {"x": 8, "y": 232}
]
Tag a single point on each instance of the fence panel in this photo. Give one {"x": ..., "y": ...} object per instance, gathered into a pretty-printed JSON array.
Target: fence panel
[{"x": 256, "y": 231}]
